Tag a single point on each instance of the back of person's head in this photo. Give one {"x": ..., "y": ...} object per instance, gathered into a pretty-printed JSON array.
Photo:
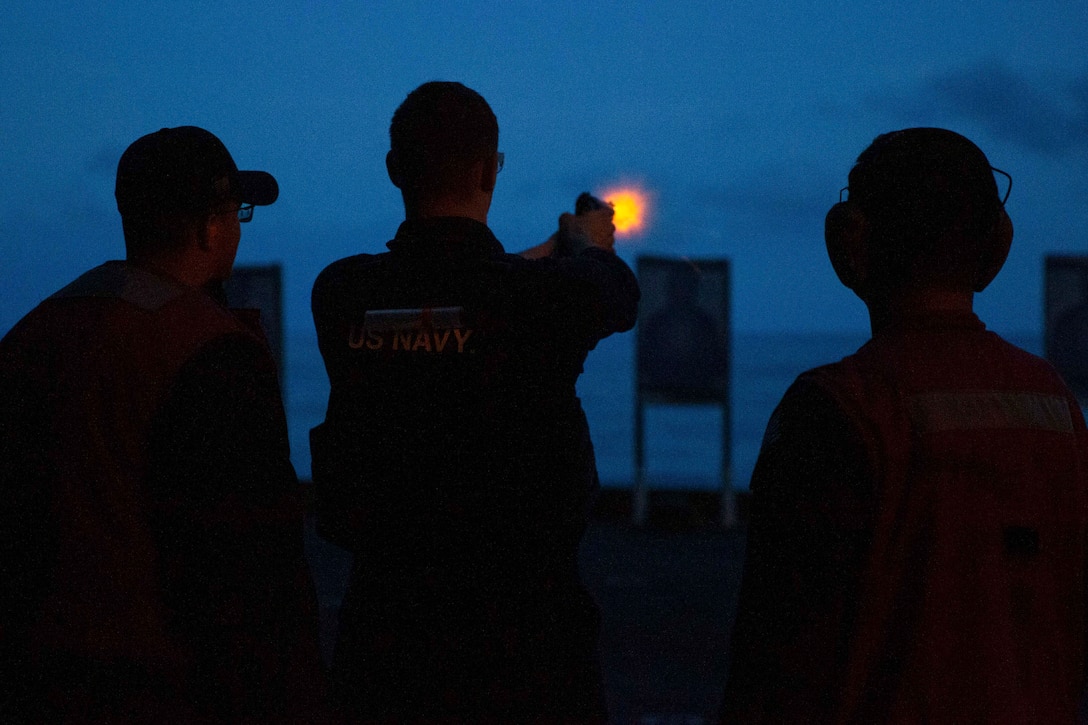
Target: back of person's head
[
  {"x": 440, "y": 131},
  {"x": 924, "y": 210},
  {"x": 169, "y": 182}
]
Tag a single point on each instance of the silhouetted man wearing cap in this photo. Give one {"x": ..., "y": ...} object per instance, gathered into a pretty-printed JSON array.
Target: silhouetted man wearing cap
[
  {"x": 455, "y": 460},
  {"x": 151, "y": 563},
  {"x": 917, "y": 542}
]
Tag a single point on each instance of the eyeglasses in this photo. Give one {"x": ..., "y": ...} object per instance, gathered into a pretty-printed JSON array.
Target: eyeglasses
[
  {"x": 1007, "y": 190},
  {"x": 501, "y": 161},
  {"x": 1005, "y": 197},
  {"x": 244, "y": 212}
]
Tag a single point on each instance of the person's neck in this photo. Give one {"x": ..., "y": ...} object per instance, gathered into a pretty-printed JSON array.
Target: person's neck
[
  {"x": 174, "y": 268},
  {"x": 894, "y": 308},
  {"x": 476, "y": 208}
]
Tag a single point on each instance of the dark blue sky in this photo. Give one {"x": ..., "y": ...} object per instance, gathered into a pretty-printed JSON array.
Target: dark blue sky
[{"x": 741, "y": 119}]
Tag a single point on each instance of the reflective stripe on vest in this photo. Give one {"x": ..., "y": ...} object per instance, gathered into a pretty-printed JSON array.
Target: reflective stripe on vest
[{"x": 989, "y": 410}]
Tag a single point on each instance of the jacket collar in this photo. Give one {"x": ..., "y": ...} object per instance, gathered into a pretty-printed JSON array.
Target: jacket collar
[{"x": 445, "y": 237}]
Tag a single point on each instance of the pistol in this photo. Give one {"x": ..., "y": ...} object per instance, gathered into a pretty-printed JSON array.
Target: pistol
[{"x": 587, "y": 202}]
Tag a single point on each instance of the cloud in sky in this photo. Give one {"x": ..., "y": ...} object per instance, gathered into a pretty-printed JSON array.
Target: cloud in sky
[{"x": 1044, "y": 115}]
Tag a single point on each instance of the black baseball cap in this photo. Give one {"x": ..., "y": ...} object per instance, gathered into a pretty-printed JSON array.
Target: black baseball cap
[{"x": 185, "y": 170}]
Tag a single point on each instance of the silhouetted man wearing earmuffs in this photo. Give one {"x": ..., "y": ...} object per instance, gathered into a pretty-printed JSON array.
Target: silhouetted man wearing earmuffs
[{"x": 916, "y": 548}]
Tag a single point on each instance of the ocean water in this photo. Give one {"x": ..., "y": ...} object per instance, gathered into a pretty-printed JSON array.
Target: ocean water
[{"x": 683, "y": 443}]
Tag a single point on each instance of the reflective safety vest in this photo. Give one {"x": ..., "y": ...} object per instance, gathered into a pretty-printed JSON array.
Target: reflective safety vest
[
  {"x": 89, "y": 369},
  {"x": 971, "y": 606}
]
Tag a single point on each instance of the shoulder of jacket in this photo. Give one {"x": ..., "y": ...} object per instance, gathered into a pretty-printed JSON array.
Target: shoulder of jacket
[
  {"x": 352, "y": 265},
  {"x": 346, "y": 271},
  {"x": 123, "y": 281},
  {"x": 857, "y": 387}
]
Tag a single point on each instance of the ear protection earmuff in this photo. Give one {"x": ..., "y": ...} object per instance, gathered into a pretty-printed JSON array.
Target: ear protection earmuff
[
  {"x": 994, "y": 252},
  {"x": 846, "y": 234}
]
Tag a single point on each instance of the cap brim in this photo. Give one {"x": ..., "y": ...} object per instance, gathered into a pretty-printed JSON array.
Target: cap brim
[{"x": 258, "y": 187}]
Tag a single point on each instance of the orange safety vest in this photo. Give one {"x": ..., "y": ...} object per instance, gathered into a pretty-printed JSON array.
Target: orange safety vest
[
  {"x": 96, "y": 362},
  {"x": 971, "y": 606}
]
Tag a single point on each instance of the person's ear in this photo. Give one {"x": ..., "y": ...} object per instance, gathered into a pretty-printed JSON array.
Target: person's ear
[
  {"x": 846, "y": 234},
  {"x": 392, "y": 167},
  {"x": 996, "y": 251},
  {"x": 204, "y": 231}
]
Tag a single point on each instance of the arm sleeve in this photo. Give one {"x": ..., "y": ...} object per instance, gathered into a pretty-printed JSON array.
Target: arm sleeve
[
  {"x": 228, "y": 518},
  {"x": 615, "y": 289},
  {"x": 28, "y": 533},
  {"x": 220, "y": 439},
  {"x": 807, "y": 539}
]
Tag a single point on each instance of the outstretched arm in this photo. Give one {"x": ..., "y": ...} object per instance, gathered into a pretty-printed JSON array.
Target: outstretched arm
[
  {"x": 544, "y": 249},
  {"x": 583, "y": 249},
  {"x": 592, "y": 228}
]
